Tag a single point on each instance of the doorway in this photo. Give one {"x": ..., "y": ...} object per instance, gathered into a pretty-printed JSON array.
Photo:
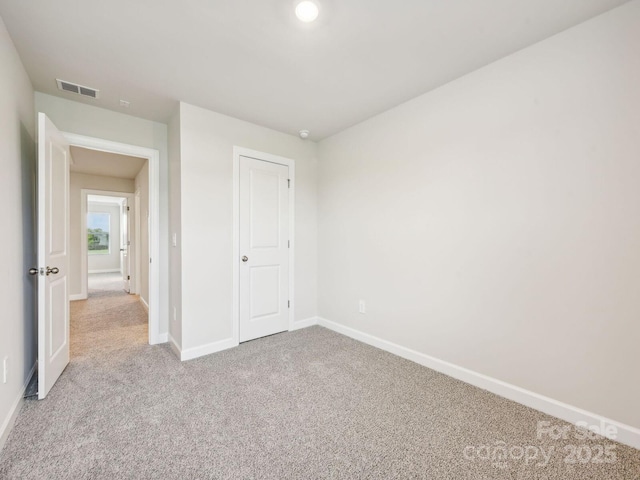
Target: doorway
[
  {"x": 55, "y": 243},
  {"x": 111, "y": 251},
  {"x": 143, "y": 230},
  {"x": 264, "y": 232}
]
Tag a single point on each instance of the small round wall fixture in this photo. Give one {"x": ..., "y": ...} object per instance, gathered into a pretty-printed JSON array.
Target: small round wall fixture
[
  {"x": 307, "y": 11},
  {"x": 304, "y": 134}
]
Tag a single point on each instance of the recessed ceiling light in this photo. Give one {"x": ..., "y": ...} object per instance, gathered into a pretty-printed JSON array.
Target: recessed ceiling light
[
  {"x": 307, "y": 11},
  {"x": 304, "y": 134}
]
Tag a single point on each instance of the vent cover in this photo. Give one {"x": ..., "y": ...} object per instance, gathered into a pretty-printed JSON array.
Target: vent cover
[{"x": 79, "y": 89}]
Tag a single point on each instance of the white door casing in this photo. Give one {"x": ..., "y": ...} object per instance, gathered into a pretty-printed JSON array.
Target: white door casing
[
  {"x": 136, "y": 244},
  {"x": 155, "y": 335},
  {"x": 53, "y": 254},
  {"x": 125, "y": 258},
  {"x": 264, "y": 248},
  {"x": 85, "y": 193}
]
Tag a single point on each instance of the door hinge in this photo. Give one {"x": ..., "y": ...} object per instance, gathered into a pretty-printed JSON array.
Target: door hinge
[
  {"x": 288, "y": 183},
  {"x": 128, "y": 208},
  {"x": 288, "y": 303},
  {"x": 128, "y": 277}
]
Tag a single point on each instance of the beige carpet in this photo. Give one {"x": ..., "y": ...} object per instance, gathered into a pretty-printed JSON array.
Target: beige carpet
[
  {"x": 105, "y": 283},
  {"x": 310, "y": 404}
]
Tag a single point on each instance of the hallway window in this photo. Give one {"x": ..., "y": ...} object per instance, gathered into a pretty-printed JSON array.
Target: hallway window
[{"x": 98, "y": 233}]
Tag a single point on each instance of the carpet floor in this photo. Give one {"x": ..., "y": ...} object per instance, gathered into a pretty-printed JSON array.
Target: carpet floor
[
  {"x": 309, "y": 404},
  {"x": 100, "y": 284}
]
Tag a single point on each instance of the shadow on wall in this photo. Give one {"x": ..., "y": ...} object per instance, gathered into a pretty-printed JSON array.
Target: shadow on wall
[{"x": 29, "y": 245}]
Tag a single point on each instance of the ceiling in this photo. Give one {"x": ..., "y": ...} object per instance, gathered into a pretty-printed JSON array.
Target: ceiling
[
  {"x": 252, "y": 59},
  {"x": 94, "y": 162}
]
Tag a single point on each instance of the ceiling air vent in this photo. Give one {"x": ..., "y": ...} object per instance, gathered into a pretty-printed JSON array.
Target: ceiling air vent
[{"x": 79, "y": 89}]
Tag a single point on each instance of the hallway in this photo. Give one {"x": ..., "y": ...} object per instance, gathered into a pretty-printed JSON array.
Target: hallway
[
  {"x": 108, "y": 321},
  {"x": 101, "y": 284}
]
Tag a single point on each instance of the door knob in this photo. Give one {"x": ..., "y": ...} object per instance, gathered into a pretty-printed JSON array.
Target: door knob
[
  {"x": 245, "y": 258},
  {"x": 33, "y": 271},
  {"x": 54, "y": 270}
]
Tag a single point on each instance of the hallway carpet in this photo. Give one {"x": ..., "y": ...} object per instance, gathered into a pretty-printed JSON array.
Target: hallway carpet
[
  {"x": 104, "y": 283},
  {"x": 309, "y": 404}
]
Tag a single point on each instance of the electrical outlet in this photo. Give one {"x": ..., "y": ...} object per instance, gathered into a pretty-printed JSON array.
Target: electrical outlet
[
  {"x": 362, "y": 308},
  {"x": 5, "y": 369}
]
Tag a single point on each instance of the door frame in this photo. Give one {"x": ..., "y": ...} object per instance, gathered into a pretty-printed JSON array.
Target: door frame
[
  {"x": 136, "y": 240},
  {"x": 265, "y": 157},
  {"x": 153, "y": 157},
  {"x": 84, "y": 251}
]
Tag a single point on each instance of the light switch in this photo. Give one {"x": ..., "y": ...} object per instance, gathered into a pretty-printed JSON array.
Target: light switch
[{"x": 362, "y": 308}]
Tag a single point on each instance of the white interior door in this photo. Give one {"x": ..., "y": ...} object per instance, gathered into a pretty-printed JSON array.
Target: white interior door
[
  {"x": 125, "y": 258},
  {"x": 53, "y": 251},
  {"x": 264, "y": 241}
]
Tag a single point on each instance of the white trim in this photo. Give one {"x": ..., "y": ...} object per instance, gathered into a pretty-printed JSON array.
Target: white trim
[
  {"x": 106, "y": 204},
  {"x": 9, "y": 421},
  {"x": 106, "y": 270},
  {"x": 77, "y": 296},
  {"x": 195, "y": 352},
  {"x": 163, "y": 337},
  {"x": 136, "y": 243},
  {"x": 144, "y": 304},
  {"x": 235, "y": 275},
  {"x": 153, "y": 156},
  {"x": 174, "y": 346},
  {"x": 307, "y": 322},
  {"x": 267, "y": 157},
  {"x": 627, "y": 434}
]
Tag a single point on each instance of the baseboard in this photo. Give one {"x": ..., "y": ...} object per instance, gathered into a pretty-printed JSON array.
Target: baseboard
[
  {"x": 106, "y": 270},
  {"x": 307, "y": 322},
  {"x": 209, "y": 348},
  {"x": 626, "y": 434},
  {"x": 195, "y": 352},
  {"x": 8, "y": 423},
  {"x": 144, "y": 304},
  {"x": 77, "y": 296}
]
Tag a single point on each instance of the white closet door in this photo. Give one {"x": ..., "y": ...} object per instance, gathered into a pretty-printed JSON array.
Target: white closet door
[{"x": 264, "y": 257}]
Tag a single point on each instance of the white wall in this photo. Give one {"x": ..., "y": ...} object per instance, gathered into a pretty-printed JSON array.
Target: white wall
[
  {"x": 78, "y": 182},
  {"x": 17, "y": 246},
  {"x": 494, "y": 223},
  {"x": 97, "y": 122},
  {"x": 110, "y": 261},
  {"x": 142, "y": 188},
  {"x": 206, "y": 172}
]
